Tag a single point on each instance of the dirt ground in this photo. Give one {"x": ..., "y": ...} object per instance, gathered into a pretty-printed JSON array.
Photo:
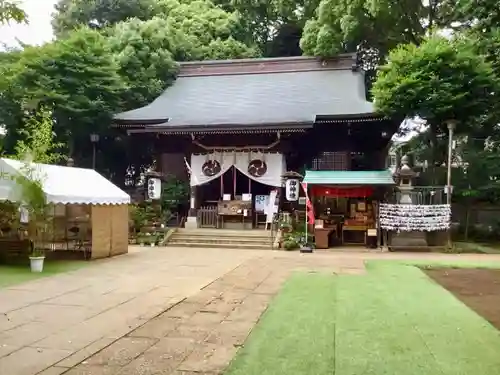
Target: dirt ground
[{"x": 477, "y": 288}]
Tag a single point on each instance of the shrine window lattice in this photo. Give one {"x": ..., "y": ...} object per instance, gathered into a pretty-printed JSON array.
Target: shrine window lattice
[{"x": 332, "y": 161}]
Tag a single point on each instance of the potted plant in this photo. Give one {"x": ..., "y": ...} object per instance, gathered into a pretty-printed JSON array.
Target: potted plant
[
  {"x": 37, "y": 146},
  {"x": 37, "y": 258},
  {"x": 35, "y": 204},
  {"x": 305, "y": 244},
  {"x": 290, "y": 244}
]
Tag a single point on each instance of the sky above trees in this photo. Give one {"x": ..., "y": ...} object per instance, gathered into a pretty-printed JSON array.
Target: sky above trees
[{"x": 39, "y": 29}]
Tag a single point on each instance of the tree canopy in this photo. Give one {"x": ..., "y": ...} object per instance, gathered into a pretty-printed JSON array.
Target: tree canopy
[
  {"x": 10, "y": 11},
  {"x": 372, "y": 27},
  {"x": 439, "y": 80},
  {"x": 70, "y": 14},
  {"x": 75, "y": 77},
  {"x": 114, "y": 55}
]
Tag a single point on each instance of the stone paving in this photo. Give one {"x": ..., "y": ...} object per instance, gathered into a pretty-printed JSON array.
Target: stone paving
[
  {"x": 172, "y": 311},
  {"x": 70, "y": 316}
]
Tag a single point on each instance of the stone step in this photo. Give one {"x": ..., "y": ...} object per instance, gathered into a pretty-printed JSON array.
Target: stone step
[
  {"x": 228, "y": 240},
  {"x": 225, "y": 232},
  {"x": 221, "y": 245},
  {"x": 235, "y": 241},
  {"x": 222, "y": 235}
]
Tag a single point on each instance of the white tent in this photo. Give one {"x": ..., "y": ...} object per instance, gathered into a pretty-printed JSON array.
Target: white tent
[{"x": 65, "y": 185}]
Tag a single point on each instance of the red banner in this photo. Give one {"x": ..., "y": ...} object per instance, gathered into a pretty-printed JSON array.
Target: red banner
[
  {"x": 309, "y": 206},
  {"x": 357, "y": 192}
]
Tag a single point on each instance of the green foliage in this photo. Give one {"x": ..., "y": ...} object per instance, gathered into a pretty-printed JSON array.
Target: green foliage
[
  {"x": 252, "y": 22},
  {"x": 479, "y": 180},
  {"x": 290, "y": 244},
  {"x": 344, "y": 25},
  {"x": 150, "y": 238},
  {"x": 87, "y": 75},
  {"x": 198, "y": 30},
  {"x": 70, "y": 14},
  {"x": 174, "y": 192},
  {"x": 77, "y": 77},
  {"x": 274, "y": 26},
  {"x": 142, "y": 51},
  {"x": 38, "y": 147},
  {"x": 439, "y": 80},
  {"x": 138, "y": 215},
  {"x": 124, "y": 56},
  {"x": 10, "y": 11},
  {"x": 297, "y": 237},
  {"x": 488, "y": 44},
  {"x": 38, "y": 143},
  {"x": 146, "y": 51},
  {"x": 481, "y": 15}
]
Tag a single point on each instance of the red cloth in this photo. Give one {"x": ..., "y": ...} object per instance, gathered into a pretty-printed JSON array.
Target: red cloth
[
  {"x": 355, "y": 192},
  {"x": 309, "y": 206}
]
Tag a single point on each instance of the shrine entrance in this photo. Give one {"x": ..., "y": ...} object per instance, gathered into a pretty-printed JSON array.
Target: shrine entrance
[{"x": 236, "y": 185}]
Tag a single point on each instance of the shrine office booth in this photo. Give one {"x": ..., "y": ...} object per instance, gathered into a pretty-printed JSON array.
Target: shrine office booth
[{"x": 346, "y": 205}]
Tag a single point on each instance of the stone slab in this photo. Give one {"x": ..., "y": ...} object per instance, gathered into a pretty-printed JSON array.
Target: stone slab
[
  {"x": 121, "y": 352},
  {"x": 162, "y": 358},
  {"x": 157, "y": 328},
  {"x": 29, "y": 361},
  {"x": 85, "y": 353},
  {"x": 208, "y": 358}
]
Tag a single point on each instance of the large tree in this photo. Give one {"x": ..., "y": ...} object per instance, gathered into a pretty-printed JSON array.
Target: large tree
[
  {"x": 439, "y": 80},
  {"x": 482, "y": 15},
  {"x": 146, "y": 51},
  {"x": 76, "y": 77},
  {"x": 199, "y": 30},
  {"x": 371, "y": 27},
  {"x": 142, "y": 52},
  {"x": 275, "y": 26},
  {"x": 70, "y": 14}
]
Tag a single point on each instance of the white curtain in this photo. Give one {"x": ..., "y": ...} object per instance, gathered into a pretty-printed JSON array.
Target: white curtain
[
  {"x": 226, "y": 161},
  {"x": 275, "y": 162},
  {"x": 275, "y": 166}
]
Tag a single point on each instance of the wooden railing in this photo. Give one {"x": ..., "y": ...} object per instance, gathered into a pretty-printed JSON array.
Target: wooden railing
[{"x": 208, "y": 217}]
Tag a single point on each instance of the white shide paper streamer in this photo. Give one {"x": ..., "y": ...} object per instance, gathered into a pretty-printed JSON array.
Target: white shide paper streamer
[{"x": 413, "y": 217}]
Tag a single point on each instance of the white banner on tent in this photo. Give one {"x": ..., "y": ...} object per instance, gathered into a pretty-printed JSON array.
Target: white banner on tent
[{"x": 270, "y": 166}]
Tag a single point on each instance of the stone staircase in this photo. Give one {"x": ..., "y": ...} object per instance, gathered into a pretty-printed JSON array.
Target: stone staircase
[{"x": 222, "y": 238}]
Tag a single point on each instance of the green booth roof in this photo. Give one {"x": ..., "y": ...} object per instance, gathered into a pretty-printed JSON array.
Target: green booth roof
[{"x": 349, "y": 178}]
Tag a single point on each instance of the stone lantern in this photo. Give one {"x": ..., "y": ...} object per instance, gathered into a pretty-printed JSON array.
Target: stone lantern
[{"x": 405, "y": 178}]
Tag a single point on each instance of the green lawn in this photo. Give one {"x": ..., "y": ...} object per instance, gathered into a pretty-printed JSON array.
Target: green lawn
[
  {"x": 391, "y": 321},
  {"x": 10, "y": 275},
  {"x": 480, "y": 248}
]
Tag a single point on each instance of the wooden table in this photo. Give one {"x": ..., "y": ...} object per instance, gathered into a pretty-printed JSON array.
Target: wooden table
[
  {"x": 321, "y": 237},
  {"x": 354, "y": 228},
  {"x": 237, "y": 221}
]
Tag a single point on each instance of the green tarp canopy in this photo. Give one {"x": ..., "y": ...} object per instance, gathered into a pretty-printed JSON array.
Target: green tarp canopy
[{"x": 383, "y": 177}]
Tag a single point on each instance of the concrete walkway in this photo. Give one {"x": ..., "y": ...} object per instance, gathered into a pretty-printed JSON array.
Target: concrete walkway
[{"x": 153, "y": 311}]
